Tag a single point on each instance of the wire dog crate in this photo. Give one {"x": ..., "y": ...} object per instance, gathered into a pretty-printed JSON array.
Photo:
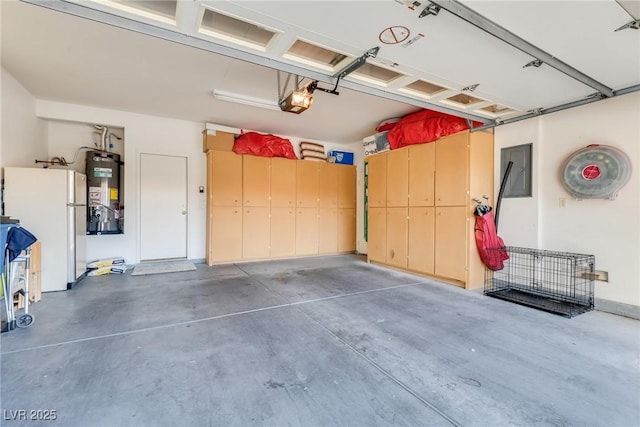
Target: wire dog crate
[{"x": 558, "y": 282}]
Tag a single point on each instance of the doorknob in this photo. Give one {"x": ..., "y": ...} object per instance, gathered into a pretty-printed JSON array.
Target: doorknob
[{"x": 184, "y": 212}]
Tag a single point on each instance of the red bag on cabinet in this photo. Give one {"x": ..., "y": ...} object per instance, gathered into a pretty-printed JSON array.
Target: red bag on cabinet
[
  {"x": 424, "y": 126},
  {"x": 263, "y": 145}
]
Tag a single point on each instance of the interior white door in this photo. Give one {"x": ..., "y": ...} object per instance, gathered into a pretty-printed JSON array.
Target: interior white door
[{"x": 163, "y": 207}]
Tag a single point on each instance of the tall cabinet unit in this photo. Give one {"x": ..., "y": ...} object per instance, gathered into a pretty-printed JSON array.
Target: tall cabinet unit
[
  {"x": 307, "y": 185},
  {"x": 283, "y": 207},
  {"x": 421, "y": 253},
  {"x": 262, "y": 208},
  {"x": 224, "y": 207},
  {"x": 397, "y": 207},
  {"x": 328, "y": 208},
  {"x": 429, "y": 225},
  {"x": 346, "y": 208},
  {"x": 256, "y": 204}
]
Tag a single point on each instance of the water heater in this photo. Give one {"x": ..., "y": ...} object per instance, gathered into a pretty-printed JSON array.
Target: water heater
[{"x": 103, "y": 198}]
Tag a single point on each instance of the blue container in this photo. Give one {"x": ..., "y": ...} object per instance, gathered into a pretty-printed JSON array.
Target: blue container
[{"x": 342, "y": 157}]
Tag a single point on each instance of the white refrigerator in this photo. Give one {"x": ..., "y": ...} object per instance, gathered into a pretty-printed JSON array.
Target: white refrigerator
[{"x": 51, "y": 204}]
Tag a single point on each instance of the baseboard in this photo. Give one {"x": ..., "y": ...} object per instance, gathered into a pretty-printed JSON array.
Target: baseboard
[{"x": 619, "y": 308}]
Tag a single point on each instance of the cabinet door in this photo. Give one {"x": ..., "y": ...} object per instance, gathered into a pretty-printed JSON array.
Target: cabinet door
[
  {"x": 452, "y": 168},
  {"x": 347, "y": 230},
  {"x": 307, "y": 184},
  {"x": 328, "y": 185},
  {"x": 283, "y": 182},
  {"x": 255, "y": 233},
  {"x": 256, "y": 176},
  {"x": 226, "y": 234},
  {"x": 451, "y": 242},
  {"x": 398, "y": 178},
  {"x": 225, "y": 178},
  {"x": 421, "y": 239},
  {"x": 283, "y": 232},
  {"x": 377, "y": 236},
  {"x": 397, "y": 234},
  {"x": 481, "y": 154},
  {"x": 306, "y": 231},
  {"x": 328, "y": 226},
  {"x": 421, "y": 171},
  {"x": 346, "y": 186},
  {"x": 377, "y": 180}
]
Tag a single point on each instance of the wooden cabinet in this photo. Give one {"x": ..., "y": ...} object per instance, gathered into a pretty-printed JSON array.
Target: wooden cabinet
[
  {"x": 421, "y": 250},
  {"x": 452, "y": 170},
  {"x": 377, "y": 244},
  {"x": 306, "y": 231},
  {"x": 283, "y": 232},
  {"x": 256, "y": 177},
  {"x": 225, "y": 234},
  {"x": 377, "y": 180},
  {"x": 224, "y": 178},
  {"x": 346, "y": 230},
  {"x": 261, "y": 208},
  {"x": 442, "y": 179},
  {"x": 224, "y": 200},
  {"x": 328, "y": 230},
  {"x": 346, "y": 187},
  {"x": 328, "y": 185},
  {"x": 255, "y": 233},
  {"x": 421, "y": 174},
  {"x": 451, "y": 242},
  {"x": 307, "y": 184},
  {"x": 283, "y": 182},
  {"x": 397, "y": 177},
  {"x": 35, "y": 281},
  {"x": 397, "y": 234}
]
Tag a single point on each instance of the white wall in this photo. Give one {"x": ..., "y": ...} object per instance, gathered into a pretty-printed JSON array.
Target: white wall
[
  {"x": 608, "y": 229},
  {"x": 24, "y": 136},
  {"x": 143, "y": 134}
]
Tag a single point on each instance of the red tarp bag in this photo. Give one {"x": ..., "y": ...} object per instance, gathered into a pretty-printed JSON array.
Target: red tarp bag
[
  {"x": 424, "y": 126},
  {"x": 490, "y": 245},
  {"x": 263, "y": 145}
]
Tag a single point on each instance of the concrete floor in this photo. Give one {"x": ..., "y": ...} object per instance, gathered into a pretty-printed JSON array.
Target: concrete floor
[{"x": 316, "y": 342}]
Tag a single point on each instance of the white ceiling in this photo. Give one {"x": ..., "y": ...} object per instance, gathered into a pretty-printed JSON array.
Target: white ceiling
[{"x": 62, "y": 57}]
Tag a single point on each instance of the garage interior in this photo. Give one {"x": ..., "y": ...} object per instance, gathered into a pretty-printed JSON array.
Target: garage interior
[{"x": 320, "y": 293}]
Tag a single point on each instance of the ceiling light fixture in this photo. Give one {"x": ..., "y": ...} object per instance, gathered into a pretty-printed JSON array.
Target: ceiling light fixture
[
  {"x": 299, "y": 98},
  {"x": 245, "y": 100},
  {"x": 297, "y": 101}
]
